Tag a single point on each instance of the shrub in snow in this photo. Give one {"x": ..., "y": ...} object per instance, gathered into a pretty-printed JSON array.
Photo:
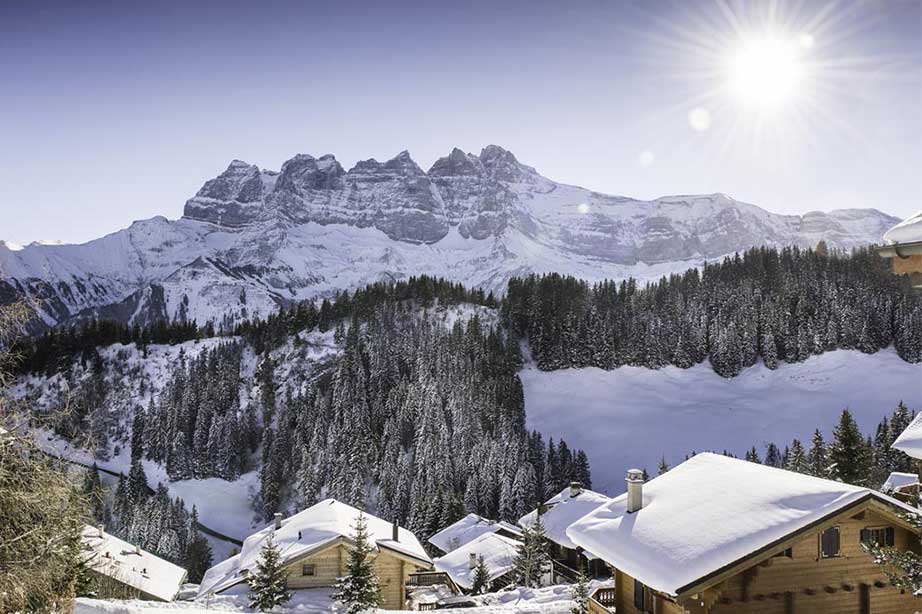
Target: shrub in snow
[
  {"x": 580, "y": 593},
  {"x": 268, "y": 585},
  {"x": 358, "y": 590},
  {"x": 903, "y": 569}
]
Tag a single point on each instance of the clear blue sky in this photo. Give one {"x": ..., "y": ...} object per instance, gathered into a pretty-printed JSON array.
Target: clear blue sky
[{"x": 117, "y": 111}]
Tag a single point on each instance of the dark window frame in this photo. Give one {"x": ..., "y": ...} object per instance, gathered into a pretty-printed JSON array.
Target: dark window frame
[
  {"x": 825, "y": 541},
  {"x": 872, "y": 535},
  {"x": 639, "y": 596},
  {"x": 308, "y": 569}
]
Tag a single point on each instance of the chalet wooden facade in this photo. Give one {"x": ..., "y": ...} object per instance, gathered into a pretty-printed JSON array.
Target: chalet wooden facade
[
  {"x": 903, "y": 248},
  {"x": 314, "y": 546},
  {"x": 793, "y": 549}
]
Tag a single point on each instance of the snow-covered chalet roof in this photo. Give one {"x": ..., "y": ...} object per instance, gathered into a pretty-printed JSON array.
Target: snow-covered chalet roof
[
  {"x": 563, "y": 510},
  {"x": 907, "y": 231},
  {"x": 910, "y": 440},
  {"x": 307, "y": 532},
  {"x": 498, "y": 552},
  {"x": 139, "y": 569},
  {"x": 467, "y": 529},
  {"x": 708, "y": 513},
  {"x": 898, "y": 479}
]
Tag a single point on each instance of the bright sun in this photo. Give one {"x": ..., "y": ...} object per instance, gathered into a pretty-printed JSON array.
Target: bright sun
[{"x": 766, "y": 72}]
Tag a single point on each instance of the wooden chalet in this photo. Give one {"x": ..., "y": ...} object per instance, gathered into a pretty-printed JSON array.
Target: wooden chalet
[
  {"x": 470, "y": 528},
  {"x": 498, "y": 552},
  {"x": 558, "y": 513},
  {"x": 903, "y": 247},
  {"x": 717, "y": 535},
  {"x": 314, "y": 545},
  {"x": 120, "y": 570}
]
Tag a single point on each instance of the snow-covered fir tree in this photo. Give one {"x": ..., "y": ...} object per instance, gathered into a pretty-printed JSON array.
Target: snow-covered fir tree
[
  {"x": 532, "y": 560},
  {"x": 268, "y": 582},
  {"x": 359, "y": 590},
  {"x": 480, "y": 582}
]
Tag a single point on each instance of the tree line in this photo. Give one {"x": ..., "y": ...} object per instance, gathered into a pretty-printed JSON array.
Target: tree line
[{"x": 766, "y": 304}]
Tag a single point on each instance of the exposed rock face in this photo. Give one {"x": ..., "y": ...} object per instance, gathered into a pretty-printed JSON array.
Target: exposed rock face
[
  {"x": 233, "y": 198},
  {"x": 252, "y": 239}
]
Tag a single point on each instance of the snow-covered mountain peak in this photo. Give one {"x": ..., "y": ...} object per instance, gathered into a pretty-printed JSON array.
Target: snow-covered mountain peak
[{"x": 251, "y": 238}]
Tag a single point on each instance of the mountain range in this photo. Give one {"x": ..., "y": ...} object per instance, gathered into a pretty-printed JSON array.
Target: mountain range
[{"x": 253, "y": 239}]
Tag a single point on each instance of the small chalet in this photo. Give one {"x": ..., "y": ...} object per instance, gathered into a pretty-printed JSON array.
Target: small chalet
[
  {"x": 314, "y": 545},
  {"x": 558, "y": 513},
  {"x": 903, "y": 246},
  {"x": 717, "y": 535},
  {"x": 905, "y": 486},
  {"x": 123, "y": 571},
  {"x": 470, "y": 528},
  {"x": 498, "y": 552}
]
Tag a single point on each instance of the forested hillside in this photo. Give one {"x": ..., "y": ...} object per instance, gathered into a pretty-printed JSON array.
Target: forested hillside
[{"x": 769, "y": 304}]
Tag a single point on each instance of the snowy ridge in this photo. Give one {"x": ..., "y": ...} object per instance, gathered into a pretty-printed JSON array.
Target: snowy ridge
[{"x": 251, "y": 239}]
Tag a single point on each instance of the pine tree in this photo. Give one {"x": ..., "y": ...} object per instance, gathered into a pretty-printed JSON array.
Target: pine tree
[
  {"x": 797, "y": 458},
  {"x": 95, "y": 496},
  {"x": 480, "y": 583},
  {"x": 268, "y": 584},
  {"x": 849, "y": 454},
  {"x": 817, "y": 458},
  {"x": 358, "y": 590},
  {"x": 580, "y": 592},
  {"x": 531, "y": 560},
  {"x": 198, "y": 557},
  {"x": 663, "y": 466}
]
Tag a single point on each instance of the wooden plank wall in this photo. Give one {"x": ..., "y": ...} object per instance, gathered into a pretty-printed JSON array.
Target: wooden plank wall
[{"x": 809, "y": 584}]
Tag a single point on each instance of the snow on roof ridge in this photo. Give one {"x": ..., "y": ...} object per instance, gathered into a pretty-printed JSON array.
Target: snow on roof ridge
[
  {"x": 910, "y": 440},
  {"x": 907, "y": 231},
  {"x": 670, "y": 543},
  {"x": 129, "y": 564},
  {"x": 498, "y": 552},
  {"x": 563, "y": 509},
  {"x": 467, "y": 529}
]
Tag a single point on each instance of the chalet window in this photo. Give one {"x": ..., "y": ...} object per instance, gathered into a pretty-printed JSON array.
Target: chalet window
[
  {"x": 882, "y": 536},
  {"x": 829, "y": 543},
  {"x": 643, "y": 598},
  {"x": 308, "y": 569},
  {"x": 639, "y": 589}
]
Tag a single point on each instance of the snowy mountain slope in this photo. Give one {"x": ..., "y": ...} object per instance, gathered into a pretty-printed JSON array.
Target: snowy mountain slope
[
  {"x": 252, "y": 239},
  {"x": 631, "y": 417}
]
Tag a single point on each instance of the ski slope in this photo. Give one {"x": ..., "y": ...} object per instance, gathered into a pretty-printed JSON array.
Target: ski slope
[{"x": 632, "y": 416}]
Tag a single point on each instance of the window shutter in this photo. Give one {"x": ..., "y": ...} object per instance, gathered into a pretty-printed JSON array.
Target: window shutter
[
  {"x": 835, "y": 541},
  {"x": 890, "y": 536}
]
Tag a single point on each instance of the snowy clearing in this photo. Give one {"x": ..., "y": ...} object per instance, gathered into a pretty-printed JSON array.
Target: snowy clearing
[{"x": 632, "y": 416}]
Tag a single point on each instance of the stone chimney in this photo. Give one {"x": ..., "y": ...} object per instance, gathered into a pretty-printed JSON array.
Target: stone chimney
[
  {"x": 472, "y": 560},
  {"x": 102, "y": 530},
  {"x": 137, "y": 549},
  {"x": 575, "y": 488},
  {"x": 278, "y": 521},
  {"x": 395, "y": 531},
  {"x": 634, "y": 490}
]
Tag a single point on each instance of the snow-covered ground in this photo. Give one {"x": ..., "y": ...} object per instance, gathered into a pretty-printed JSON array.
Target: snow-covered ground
[
  {"x": 632, "y": 416},
  {"x": 548, "y": 600}
]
